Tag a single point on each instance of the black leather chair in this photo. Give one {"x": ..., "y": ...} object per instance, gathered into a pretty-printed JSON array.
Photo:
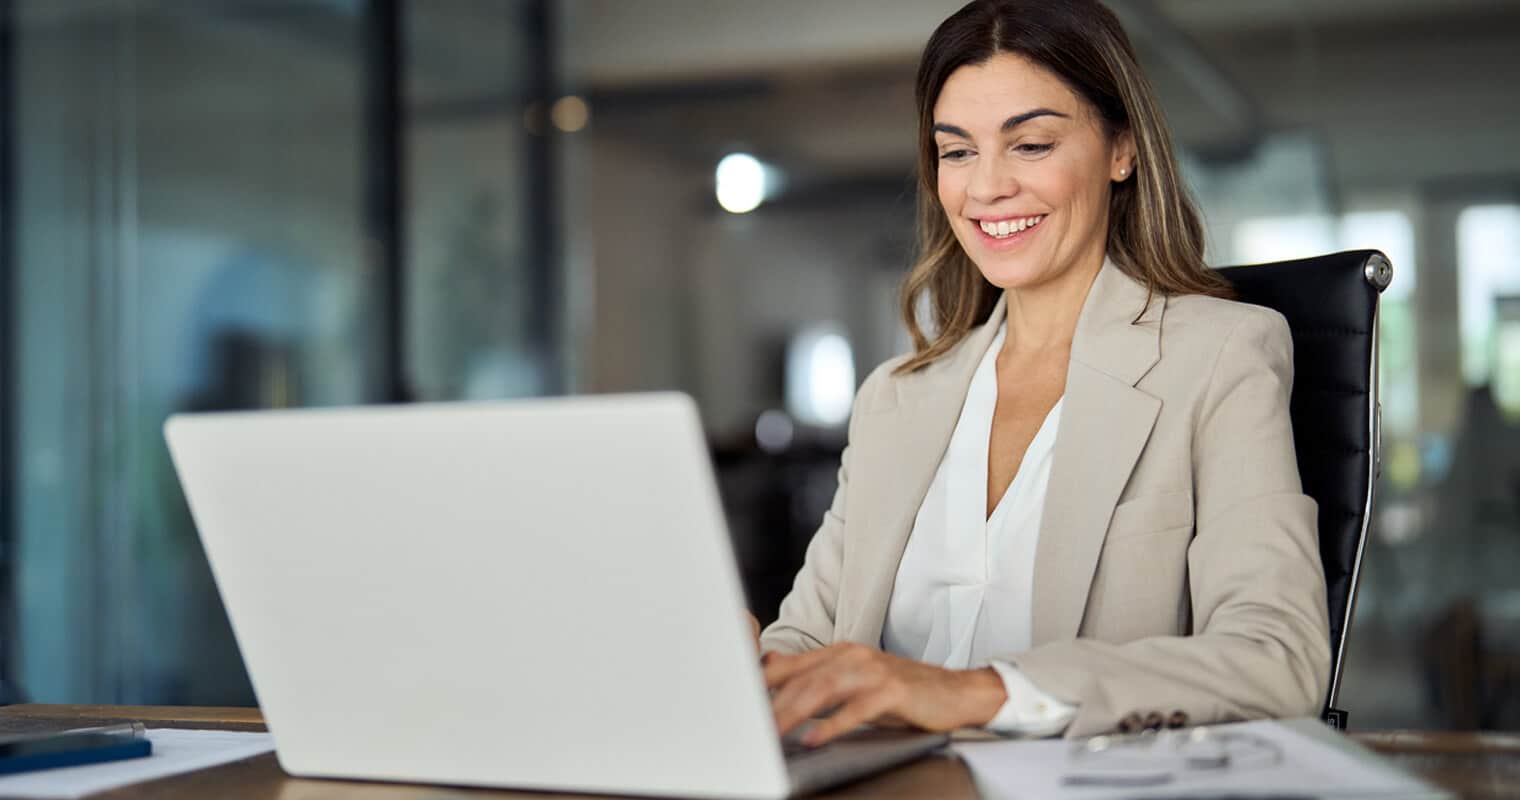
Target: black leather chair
[{"x": 1331, "y": 304}]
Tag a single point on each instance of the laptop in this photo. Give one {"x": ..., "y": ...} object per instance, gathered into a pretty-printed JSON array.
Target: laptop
[{"x": 536, "y": 595}]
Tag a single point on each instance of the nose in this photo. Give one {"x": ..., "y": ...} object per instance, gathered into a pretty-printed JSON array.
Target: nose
[{"x": 992, "y": 179}]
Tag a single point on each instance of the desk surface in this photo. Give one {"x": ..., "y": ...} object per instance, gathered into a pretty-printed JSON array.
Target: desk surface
[{"x": 1477, "y": 765}]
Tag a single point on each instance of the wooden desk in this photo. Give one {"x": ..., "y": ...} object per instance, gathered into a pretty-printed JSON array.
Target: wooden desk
[
  {"x": 1484, "y": 765},
  {"x": 1476, "y": 765},
  {"x": 936, "y": 776}
]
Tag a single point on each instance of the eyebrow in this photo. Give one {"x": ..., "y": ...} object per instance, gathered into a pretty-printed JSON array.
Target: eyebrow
[{"x": 1008, "y": 124}]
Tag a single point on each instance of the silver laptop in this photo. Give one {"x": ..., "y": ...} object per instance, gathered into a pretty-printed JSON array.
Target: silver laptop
[{"x": 536, "y": 595}]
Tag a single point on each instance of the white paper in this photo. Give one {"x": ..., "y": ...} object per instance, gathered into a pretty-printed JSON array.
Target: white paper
[
  {"x": 1316, "y": 762},
  {"x": 174, "y": 752}
]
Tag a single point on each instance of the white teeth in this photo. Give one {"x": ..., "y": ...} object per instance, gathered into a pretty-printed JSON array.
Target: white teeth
[{"x": 1004, "y": 228}]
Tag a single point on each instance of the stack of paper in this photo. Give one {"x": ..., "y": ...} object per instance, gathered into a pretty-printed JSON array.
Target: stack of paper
[{"x": 1315, "y": 762}]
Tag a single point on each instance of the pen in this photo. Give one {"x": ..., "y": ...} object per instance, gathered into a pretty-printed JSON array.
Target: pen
[{"x": 135, "y": 730}]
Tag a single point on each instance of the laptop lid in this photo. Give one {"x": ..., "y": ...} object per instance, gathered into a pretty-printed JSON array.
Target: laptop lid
[{"x": 536, "y": 594}]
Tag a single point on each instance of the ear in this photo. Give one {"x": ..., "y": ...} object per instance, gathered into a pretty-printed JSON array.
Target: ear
[{"x": 1122, "y": 163}]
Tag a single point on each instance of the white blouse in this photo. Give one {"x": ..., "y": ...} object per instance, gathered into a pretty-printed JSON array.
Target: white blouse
[{"x": 963, "y": 593}]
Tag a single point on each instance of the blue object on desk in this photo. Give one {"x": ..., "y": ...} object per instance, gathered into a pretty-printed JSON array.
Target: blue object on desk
[{"x": 69, "y": 750}]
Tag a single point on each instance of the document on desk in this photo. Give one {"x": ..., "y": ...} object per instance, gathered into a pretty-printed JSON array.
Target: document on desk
[
  {"x": 174, "y": 752},
  {"x": 1303, "y": 758}
]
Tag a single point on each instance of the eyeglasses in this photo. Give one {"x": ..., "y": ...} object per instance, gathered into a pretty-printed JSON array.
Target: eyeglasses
[{"x": 1152, "y": 758}]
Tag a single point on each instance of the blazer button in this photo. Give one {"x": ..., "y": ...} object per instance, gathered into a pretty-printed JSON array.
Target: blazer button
[
  {"x": 1153, "y": 721},
  {"x": 1131, "y": 722},
  {"x": 1177, "y": 719}
]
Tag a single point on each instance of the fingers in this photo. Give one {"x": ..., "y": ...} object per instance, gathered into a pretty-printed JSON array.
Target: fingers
[
  {"x": 861, "y": 685},
  {"x": 816, "y": 691},
  {"x": 831, "y": 678},
  {"x": 780, "y": 668},
  {"x": 866, "y": 707}
]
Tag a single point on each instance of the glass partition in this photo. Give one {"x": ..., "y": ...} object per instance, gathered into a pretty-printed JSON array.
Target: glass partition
[{"x": 194, "y": 229}]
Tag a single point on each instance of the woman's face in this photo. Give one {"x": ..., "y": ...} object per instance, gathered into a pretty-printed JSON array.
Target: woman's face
[{"x": 1024, "y": 171}]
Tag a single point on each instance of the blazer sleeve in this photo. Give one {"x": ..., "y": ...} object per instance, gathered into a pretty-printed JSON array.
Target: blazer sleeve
[
  {"x": 1260, "y": 644},
  {"x": 806, "y": 621}
]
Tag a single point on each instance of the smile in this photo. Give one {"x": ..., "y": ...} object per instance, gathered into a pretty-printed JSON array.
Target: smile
[{"x": 1005, "y": 228}]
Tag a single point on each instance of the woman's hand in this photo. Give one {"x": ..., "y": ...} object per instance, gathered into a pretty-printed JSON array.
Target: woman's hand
[
  {"x": 865, "y": 685},
  {"x": 754, "y": 629}
]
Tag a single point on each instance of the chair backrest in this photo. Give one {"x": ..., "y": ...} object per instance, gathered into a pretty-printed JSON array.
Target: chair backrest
[{"x": 1331, "y": 304}]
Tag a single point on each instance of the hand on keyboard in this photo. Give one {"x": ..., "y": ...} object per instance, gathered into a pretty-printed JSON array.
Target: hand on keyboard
[{"x": 864, "y": 685}]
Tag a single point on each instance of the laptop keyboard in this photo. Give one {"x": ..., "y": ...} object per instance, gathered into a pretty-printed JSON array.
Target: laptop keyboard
[
  {"x": 791, "y": 747},
  {"x": 791, "y": 744}
]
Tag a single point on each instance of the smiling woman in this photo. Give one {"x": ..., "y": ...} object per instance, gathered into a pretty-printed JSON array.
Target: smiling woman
[
  {"x": 997, "y": 184},
  {"x": 1075, "y": 506},
  {"x": 1085, "y": 96}
]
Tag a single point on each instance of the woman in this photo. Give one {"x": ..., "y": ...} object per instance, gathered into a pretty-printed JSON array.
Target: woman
[{"x": 1075, "y": 507}]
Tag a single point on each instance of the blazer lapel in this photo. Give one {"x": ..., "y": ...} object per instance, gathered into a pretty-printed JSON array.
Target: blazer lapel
[
  {"x": 917, "y": 431},
  {"x": 1104, "y": 426}
]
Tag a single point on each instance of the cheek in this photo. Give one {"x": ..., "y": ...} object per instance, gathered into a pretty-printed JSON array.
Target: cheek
[
  {"x": 1087, "y": 181},
  {"x": 1054, "y": 182},
  {"x": 951, "y": 192},
  {"x": 1067, "y": 187}
]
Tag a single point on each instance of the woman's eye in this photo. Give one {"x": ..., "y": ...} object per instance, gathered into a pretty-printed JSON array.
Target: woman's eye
[
  {"x": 954, "y": 155},
  {"x": 1034, "y": 149}
]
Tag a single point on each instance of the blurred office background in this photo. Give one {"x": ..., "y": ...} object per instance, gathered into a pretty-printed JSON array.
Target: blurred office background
[{"x": 219, "y": 204}]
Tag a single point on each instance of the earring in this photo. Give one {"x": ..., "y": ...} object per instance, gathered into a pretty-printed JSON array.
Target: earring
[{"x": 1123, "y": 171}]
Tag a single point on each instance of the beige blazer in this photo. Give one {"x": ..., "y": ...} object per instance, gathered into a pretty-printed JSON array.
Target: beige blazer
[{"x": 1177, "y": 568}]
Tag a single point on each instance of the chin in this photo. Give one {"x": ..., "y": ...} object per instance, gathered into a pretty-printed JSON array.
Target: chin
[
  {"x": 1018, "y": 272},
  {"x": 1014, "y": 278}
]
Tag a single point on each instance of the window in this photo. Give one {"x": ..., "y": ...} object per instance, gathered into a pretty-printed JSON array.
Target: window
[
  {"x": 1488, "y": 271},
  {"x": 194, "y": 229}
]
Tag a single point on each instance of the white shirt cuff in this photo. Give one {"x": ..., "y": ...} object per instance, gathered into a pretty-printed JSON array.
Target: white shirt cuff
[{"x": 1028, "y": 710}]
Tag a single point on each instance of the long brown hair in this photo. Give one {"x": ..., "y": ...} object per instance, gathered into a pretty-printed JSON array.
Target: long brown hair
[{"x": 1154, "y": 232}]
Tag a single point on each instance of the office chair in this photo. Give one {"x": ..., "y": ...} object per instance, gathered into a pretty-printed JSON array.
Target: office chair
[{"x": 1331, "y": 304}]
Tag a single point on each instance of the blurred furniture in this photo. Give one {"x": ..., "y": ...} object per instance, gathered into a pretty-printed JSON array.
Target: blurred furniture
[
  {"x": 1471, "y": 654},
  {"x": 1331, "y": 304},
  {"x": 1475, "y": 765},
  {"x": 1452, "y": 650},
  {"x": 1470, "y": 648},
  {"x": 774, "y": 501}
]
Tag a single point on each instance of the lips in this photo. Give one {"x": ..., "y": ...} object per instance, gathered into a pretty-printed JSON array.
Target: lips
[
  {"x": 1009, "y": 232},
  {"x": 1004, "y": 228}
]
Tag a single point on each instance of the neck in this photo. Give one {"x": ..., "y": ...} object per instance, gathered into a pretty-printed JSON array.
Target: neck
[{"x": 1044, "y": 316}]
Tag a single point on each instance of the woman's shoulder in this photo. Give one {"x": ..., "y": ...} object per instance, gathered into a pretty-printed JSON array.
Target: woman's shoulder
[
  {"x": 1213, "y": 322},
  {"x": 1208, "y": 339},
  {"x": 879, "y": 387},
  {"x": 887, "y": 383}
]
